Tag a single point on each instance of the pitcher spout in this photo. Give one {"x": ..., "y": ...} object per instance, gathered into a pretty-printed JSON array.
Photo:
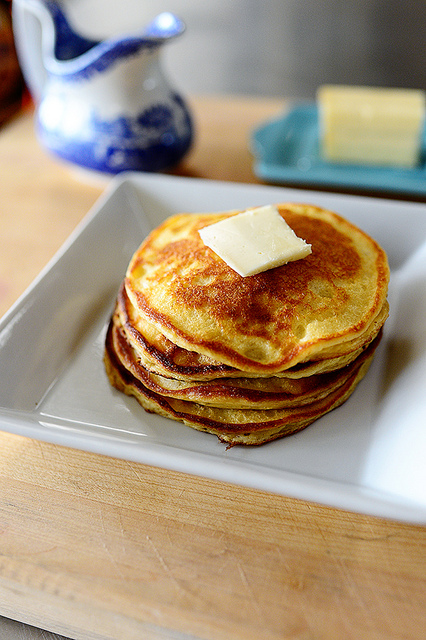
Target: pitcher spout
[
  {"x": 79, "y": 57},
  {"x": 165, "y": 26},
  {"x": 48, "y": 44},
  {"x": 73, "y": 54}
]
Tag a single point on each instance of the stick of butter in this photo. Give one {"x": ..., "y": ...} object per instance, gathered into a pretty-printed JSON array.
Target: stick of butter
[
  {"x": 255, "y": 240},
  {"x": 372, "y": 126}
]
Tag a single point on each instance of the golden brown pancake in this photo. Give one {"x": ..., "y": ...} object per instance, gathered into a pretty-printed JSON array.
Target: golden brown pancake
[
  {"x": 235, "y": 393},
  {"x": 232, "y": 426},
  {"x": 267, "y": 322},
  {"x": 159, "y": 355},
  {"x": 248, "y": 359}
]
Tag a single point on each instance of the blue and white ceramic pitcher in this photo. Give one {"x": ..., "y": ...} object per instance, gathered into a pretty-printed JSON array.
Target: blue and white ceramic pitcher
[{"x": 103, "y": 105}]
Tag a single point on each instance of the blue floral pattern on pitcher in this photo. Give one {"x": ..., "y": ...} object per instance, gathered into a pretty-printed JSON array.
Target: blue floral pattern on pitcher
[{"x": 149, "y": 141}]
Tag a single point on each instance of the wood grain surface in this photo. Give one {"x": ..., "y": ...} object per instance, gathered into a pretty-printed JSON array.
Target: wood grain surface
[{"x": 98, "y": 548}]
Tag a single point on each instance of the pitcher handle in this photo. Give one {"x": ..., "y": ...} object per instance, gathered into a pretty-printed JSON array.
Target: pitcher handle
[{"x": 33, "y": 31}]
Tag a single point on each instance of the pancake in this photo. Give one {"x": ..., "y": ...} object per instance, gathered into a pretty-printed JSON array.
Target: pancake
[
  {"x": 161, "y": 356},
  {"x": 247, "y": 359},
  {"x": 310, "y": 309},
  {"x": 158, "y": 353},
  {"x": 236, "y": 393},
  {"x": 231, "y": 426}
]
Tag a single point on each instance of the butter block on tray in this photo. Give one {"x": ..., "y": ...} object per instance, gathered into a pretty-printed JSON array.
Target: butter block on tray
[{"x": 371, "y": 126}]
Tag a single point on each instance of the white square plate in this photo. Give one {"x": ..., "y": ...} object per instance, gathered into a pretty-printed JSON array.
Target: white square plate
[{"x": 368, "y": 455}]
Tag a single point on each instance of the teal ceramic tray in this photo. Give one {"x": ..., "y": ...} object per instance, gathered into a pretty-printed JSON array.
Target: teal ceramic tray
[{"x": 287, "y": 151}]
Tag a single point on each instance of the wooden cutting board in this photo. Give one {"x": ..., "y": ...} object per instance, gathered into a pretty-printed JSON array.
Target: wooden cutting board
[{"x": 94, "y": 547}]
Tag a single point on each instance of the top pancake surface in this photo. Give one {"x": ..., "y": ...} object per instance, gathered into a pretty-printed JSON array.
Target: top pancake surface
[{"x": 266, "y": 322}]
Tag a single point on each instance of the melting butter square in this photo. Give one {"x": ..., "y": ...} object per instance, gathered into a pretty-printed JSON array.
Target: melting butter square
[{"x": 254, "y": 241}]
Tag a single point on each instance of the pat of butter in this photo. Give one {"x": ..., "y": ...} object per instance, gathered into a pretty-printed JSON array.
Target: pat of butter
[
  {"x": 372, "y": 126},
  {"x": 254, "y": 241}
]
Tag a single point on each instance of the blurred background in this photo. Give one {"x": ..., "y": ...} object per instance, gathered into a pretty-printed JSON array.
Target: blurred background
[
  {"x": 274, "y": 47},
  {"x": 277, "y": 47}
]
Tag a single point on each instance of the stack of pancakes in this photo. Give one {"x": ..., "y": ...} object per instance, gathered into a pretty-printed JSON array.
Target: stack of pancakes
[{"x": 249, "y": 359}]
